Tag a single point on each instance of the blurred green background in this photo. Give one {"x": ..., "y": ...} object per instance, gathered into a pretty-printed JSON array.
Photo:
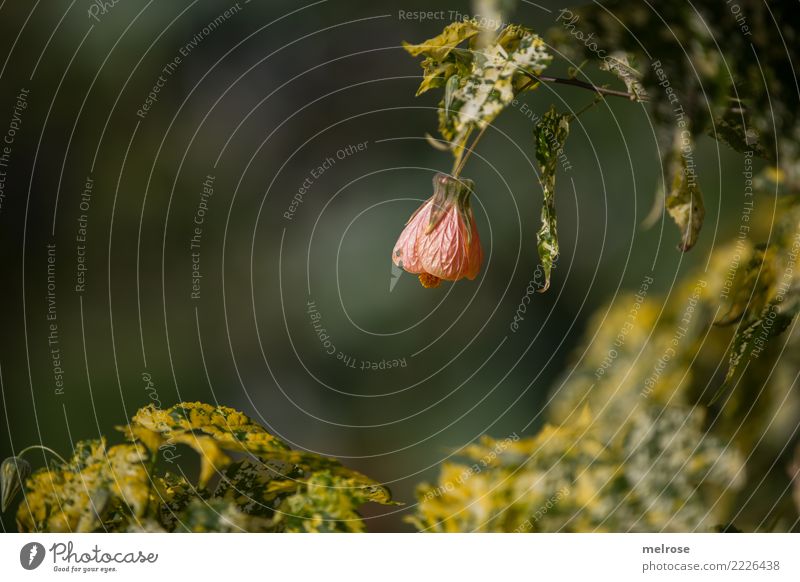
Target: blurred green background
[{"x": 258, "y": 102}]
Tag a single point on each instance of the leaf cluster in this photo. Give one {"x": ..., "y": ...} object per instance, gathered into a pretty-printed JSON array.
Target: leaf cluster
[{"x": 261, "y": 484}]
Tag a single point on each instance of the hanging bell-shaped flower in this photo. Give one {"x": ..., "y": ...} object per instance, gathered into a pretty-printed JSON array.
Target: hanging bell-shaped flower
[{"x": 440, "y": 240}]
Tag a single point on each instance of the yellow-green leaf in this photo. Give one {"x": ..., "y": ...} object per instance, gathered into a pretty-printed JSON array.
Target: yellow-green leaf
[
  {"x": 98, "y": 484},
  {"x": 439, "y": 47},
  {"x": 684, "y": 200}
]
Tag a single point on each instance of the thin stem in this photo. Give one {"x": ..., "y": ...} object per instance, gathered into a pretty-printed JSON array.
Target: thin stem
[
  {"x": 538, "y": 78},
  {"x": 466, "y": 155},
  {"x": 585, "y": 108},
  {"x": 44, "y": 448},
  {"x": 584, "y": 85}
]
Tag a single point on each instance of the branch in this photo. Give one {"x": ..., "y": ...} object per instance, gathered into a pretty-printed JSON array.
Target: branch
[{"x": 584, "y": 85}]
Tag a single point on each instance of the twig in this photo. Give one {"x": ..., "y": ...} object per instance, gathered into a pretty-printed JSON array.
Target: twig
[
  {"x": 584, "y": 85},
  {"x": 465, "y": 157},
  {"x": 561, "y": 81}
]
